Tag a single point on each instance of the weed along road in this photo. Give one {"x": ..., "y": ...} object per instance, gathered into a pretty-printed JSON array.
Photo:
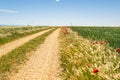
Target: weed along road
[
  {"x": 44, "y": 64},
  {"x": 4, "y": 49}
]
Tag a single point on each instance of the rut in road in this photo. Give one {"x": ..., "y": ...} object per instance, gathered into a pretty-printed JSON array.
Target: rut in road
[
  {"x": 4, "y": 49},
  {"x": 44, "y": 64}
]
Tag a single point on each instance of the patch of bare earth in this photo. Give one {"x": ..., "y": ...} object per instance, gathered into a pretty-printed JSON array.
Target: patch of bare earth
[
  {"x": 44, "y": 64},
  {"x": 4, "y": 49}
]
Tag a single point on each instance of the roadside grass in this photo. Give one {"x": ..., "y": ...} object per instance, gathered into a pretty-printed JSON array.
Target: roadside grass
[
  {"x": 83, "y": 60},
  {"x": 111, "y": 34},
  {"x": 16, "y": 33},
  {"x": 19, "y": 55}
]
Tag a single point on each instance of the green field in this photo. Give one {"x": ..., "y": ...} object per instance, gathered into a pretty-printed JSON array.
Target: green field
[{"x": 111, "y": 34}]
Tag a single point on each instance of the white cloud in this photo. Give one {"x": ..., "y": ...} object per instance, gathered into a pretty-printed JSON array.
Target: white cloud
[
  {"x": 57, "y": 0},
  {"x": 7, "y": 11}
]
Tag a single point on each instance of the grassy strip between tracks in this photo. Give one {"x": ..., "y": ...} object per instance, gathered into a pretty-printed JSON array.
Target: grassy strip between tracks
[
  {"x": 19, "y": 55},
  {"x": 16, "y": 35}
]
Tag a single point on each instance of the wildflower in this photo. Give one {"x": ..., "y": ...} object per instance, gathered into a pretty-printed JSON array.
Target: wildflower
[
  {"x": 65, "y": 31},
  {"x": 97, "y": 42},
  {"x": 101, "y": 43},
  {"x": 95, "y": 70},
  {"x": 118, "y": 50}
]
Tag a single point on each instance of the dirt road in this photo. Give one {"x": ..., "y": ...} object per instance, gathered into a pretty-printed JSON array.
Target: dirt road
[
  {"x": 4, "y": 49},
  {"x": 44, "y": 63}
]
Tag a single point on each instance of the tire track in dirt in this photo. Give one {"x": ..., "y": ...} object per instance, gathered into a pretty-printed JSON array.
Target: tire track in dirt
[
  {"x": 44, "y": 64},
  {"x": 4, "y": 49}
]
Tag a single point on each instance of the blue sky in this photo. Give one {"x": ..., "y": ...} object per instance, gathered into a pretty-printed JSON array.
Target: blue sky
[{"x": 63, "y": 12}]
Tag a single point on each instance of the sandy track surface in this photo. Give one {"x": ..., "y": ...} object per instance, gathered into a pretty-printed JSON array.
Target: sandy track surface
[
  {"x": 4, "y": 49},
  {"x": 44, "y": 63}
]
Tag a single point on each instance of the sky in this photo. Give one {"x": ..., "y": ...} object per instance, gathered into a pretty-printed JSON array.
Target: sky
[{"x": 60, "y": 12}]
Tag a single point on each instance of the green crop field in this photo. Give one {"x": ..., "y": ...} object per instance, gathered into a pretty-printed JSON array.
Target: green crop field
[{"x": 111, "y": 34}]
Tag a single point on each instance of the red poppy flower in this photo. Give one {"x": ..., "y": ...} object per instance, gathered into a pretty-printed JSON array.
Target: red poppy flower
[
  {"x": 118, "y": 50},
  {"x": 97, "y": 42},
  {"x": 95, "y": 70},
  {"x": 65, "y": 31}
]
